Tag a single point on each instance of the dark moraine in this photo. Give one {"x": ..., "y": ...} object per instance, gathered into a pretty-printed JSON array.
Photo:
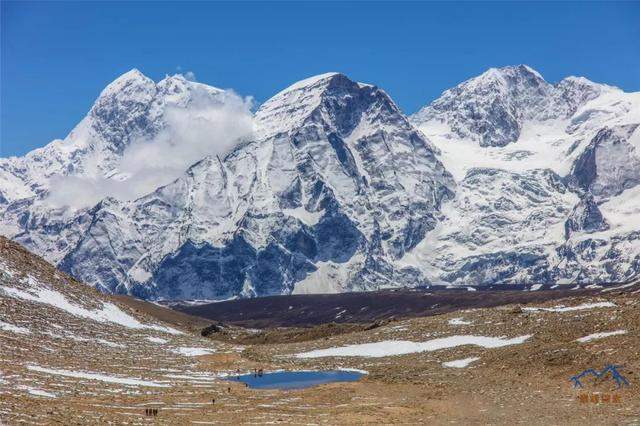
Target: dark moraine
[{"x": 311, "y": 310}]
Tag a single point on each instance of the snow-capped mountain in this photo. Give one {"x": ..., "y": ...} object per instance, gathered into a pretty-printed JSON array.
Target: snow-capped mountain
[
  {"x": 494, "y": 107},
  {"x": 335, "y": 189},
  {"x": 335, "y": 186},
  {"x": 547, "y": 177},
  {"x": 129, "y": 108}
]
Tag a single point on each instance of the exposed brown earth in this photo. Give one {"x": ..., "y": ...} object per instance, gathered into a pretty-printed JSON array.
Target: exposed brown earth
[
  {"x": 524, "y": 383},
  {"x": 249, "y": 336}
]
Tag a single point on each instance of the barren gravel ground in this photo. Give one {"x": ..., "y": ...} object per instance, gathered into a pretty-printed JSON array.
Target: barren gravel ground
[{"x": 525, "y": 383}]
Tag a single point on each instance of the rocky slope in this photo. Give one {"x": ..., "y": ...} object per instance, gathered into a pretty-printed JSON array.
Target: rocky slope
[
  {"x": 70, "y": 355},
  {"x": 335, "y": 189}
]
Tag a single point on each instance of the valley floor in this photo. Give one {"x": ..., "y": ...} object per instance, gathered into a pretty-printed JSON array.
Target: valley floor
[{"x": 515, "y": 379}]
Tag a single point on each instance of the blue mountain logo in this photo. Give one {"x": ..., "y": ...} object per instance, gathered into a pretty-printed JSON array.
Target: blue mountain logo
[{"x": 613, "y": 369}]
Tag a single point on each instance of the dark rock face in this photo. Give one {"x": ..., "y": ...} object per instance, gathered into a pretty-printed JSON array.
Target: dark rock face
[
  {"x": 123, "y": 112},
  {"x": 212, "y": 329},
  {"x": 585, "y": 217},
  {"x": 610, "y": 164},
  {"x": 503, "y": 267},
  {"x": 598, "y": 260},
  {"x": 238, "y": 268},
  {"x": 201, "y": 272},
  {"x": 584, "y": 171}
]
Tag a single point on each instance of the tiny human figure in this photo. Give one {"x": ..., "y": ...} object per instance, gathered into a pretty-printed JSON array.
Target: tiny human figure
[
  {"x": 229, "y": 389},
  {"x": 213, "y": 401}
]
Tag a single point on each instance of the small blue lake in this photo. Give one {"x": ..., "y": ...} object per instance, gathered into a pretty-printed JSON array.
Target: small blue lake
[{"x": 296, "y": 379}]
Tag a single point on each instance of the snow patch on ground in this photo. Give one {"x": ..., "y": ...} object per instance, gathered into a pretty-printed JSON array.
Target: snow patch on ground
[
  {"x": 458, "y": 321},
  {"x": 38, "y": 392},
  {"x": 403, "y": 347},
  {"x": 572, "y": 308},
  {"x": 595, "y": 336},
  {"x": 618, "y": 287},
  {"x": 13, "y": 328},
  {"x": 353, "y": 370},
  {"x": 460, "y": 363},
  {"x": 192, "y": 378},
  {"x": 110, "y": 344},
  {"x": 156, "y": 340},
  {"x": 193, "y": 351},
  {"x": 97, "y": 376},
  {"x": 108, "y": 313}
]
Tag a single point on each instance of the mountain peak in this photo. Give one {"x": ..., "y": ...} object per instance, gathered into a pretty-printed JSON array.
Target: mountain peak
[
  {"x": 178, "y": 90},
  {"x": 492, "y": 107},
  {"x": 512, "y": 76},
  {"x": 313, "y": 81},
  {"x": 573, "y": 83},
  {"x": 291, "y": 106},
  {"x": 521, "y": 69},
  {"x": 131, "y": 78}
]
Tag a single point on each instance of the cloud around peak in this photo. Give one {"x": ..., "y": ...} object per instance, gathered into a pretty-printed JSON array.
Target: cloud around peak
[{"x": 205, "y": 125}]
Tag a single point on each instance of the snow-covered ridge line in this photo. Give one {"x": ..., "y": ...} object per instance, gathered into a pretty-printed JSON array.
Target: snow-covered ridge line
[{"x": 508, "y": 180}]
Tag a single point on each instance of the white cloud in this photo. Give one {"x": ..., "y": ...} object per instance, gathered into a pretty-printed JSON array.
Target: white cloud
[{"x": 209, "y": 126}]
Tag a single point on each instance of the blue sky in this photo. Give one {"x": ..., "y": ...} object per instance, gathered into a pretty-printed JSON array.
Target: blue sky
[{"x": 57, "y": 57}]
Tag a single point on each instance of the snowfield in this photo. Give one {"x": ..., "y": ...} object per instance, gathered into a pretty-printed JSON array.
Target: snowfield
[
  {"x": 38, "y": 392},
  {"x": 403, "y": 347},
  {"x": 459, "y": 321},
  {"x": 572, "y": 308},
  {"x": 460, "y": 363},
  {"x": 109, "y": 312},
  {"x": 193, "y": 351},
  {"x": 158, "y": 340},
  {"x": 596, "y": 336},
  {"x": 13, "y": 328},
  {"x": 97, "y": 376}
]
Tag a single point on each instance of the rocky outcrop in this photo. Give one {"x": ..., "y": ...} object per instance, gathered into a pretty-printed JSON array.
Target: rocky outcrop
[
  {"x": 585, "y": 217},
  {"x": 610, "y": 163}
]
